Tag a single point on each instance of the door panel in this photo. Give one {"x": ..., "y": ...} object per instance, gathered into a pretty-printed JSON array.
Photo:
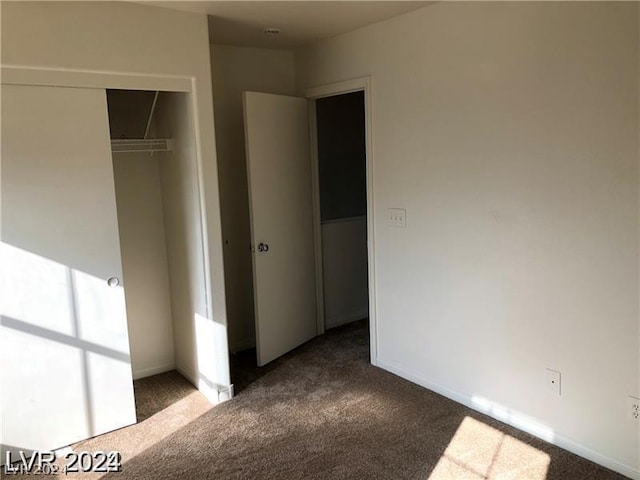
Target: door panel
[
  {"x": 279, "y": 171},
  {"x": 63, "y": 332}
]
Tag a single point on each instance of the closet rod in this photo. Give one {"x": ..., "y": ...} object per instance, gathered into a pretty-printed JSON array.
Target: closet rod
[{"x": 153, "y": 107}]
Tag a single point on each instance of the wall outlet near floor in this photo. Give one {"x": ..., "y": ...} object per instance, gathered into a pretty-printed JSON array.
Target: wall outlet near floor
[
  {"x": 397, "y": 217},
  {"x": 634, "y": 408},
  {"x": 553, "y": 381}
]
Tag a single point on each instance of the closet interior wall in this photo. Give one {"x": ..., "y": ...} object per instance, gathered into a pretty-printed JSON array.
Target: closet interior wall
[{"x": 160, "y": 232}]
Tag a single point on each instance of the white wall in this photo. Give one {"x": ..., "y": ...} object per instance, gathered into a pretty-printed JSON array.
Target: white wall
[
  {"x": 140, "y": 41},
  {"x": 509, "y": 132},
  {"x": 344, "y": 270},
  {"x": 178, "y": 180},
  {"x": 237, "y": 69},
  {"x": 144, "y": 262}
]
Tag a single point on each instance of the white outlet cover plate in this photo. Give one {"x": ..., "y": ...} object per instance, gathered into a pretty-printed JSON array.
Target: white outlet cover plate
[
  {"x": 554, "y": 381},
  {"x": 397, "y": 217}
]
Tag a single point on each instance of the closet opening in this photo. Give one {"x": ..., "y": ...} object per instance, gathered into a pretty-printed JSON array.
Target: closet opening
[{"x": 160, "y": 229}]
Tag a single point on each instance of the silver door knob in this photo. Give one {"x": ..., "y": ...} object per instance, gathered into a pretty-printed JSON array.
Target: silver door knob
[
  {"x": 263, "y": 247},
  {"x": 113, "y": 281}
]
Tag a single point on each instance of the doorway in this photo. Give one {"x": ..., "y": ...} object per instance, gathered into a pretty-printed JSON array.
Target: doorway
[
  {"x": 342, "y": 190},
  {"x": 284, "y": 170},
  {"x": 351, "y": 98}
]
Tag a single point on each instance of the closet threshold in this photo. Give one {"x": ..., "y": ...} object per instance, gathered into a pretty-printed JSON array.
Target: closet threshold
[{"x": 132, "y": 145}]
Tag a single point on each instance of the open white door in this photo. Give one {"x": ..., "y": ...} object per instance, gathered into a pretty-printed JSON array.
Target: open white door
[
  {"x": 64, "y": 346},
  {"x": 280, "y": 199}
]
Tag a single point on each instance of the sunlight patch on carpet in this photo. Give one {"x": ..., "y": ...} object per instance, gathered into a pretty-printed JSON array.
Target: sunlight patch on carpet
[{"x": 478, "y": 451}]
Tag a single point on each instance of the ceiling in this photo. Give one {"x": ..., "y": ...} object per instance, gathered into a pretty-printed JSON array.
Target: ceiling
[{"x": 300, "y": 22}]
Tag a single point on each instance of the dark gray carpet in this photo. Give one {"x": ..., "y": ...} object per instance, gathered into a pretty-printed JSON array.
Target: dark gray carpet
[{"x": 324, "y": 412}]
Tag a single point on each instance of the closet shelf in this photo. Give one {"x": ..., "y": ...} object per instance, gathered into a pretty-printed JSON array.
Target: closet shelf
[{"x": 130, "y": 145}]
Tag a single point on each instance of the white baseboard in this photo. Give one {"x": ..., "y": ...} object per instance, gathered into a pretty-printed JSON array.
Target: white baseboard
[
  {"x": 556, "y": 439},
  {"x": 215, "y": 394},
  {"x": 337, "y": 321},
  {"x": 147, "y": 372}
]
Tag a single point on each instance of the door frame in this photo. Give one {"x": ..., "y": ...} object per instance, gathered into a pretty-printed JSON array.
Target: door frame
[
  {"x": 79, "y": 78},
  {"x": 361, "y": 84}
]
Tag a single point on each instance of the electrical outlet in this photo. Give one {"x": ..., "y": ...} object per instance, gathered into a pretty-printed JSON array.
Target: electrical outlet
[
  {"x": 634, "y": 408},
  {"x": 397, "y": 217},
  {"x": 553, "y": 381}
]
